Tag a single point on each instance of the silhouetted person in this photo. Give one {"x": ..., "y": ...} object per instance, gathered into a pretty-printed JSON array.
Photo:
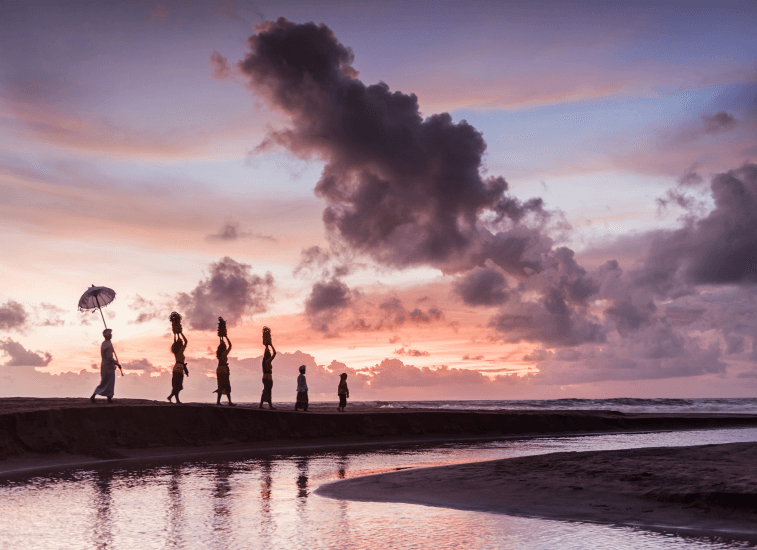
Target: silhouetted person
[
  {"x": 222, "y": 372},
  {"x": 302, "y": 391},
  {"x": 267, "y": 377},
  {"x": 107, "y": 369},
  {"x": 343, "y": 392},
  {"x": 180, "y": 367}
]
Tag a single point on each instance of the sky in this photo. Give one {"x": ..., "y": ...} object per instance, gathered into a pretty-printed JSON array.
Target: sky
[{"x": 445, "y": 200}]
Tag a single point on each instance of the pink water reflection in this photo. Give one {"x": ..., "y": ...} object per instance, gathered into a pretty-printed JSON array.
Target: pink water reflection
[{"x": 268, "y": 502}]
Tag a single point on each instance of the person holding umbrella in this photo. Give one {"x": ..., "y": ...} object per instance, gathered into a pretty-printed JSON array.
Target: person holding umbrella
[
  {"x": 107, "y": 369},
  {"x": 96, "y": 298}
]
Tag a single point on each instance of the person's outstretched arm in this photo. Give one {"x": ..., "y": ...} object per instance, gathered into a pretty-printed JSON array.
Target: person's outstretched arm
[
  {"x": 274, "y": 352},
  {"x": 229, "y": 341},
  {"x": 185, "y": 340}
]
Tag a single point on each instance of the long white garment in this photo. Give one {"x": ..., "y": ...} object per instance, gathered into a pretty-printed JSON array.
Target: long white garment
[
  {"x": 107, "y": 370},
  {"x": 302, "y": 384},
  {"x": 107, "y": 384},
  {"x": 107, "y": 355}
]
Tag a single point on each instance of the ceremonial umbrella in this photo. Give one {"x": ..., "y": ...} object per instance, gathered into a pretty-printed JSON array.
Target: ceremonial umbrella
[{"x": 95, "y": 298}]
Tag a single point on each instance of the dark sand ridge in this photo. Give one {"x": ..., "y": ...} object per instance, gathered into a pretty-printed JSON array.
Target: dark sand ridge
[
  {"x": 709, "y": 489},
  {"x": 50, "y": 433}
]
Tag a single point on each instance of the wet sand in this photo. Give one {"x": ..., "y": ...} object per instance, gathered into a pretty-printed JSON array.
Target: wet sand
[{"x": 709, "y": 489}]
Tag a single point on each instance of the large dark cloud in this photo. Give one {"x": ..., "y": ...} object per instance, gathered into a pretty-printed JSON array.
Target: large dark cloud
[
  {"x": 404, "y": 189},
  {"x": 326, "y": 301},
  {"x": 552, "y": 321},
  {"x": 409, "y": 191},
  {"x": 719, "y": 248},
  {"x": 231, "y": 291},
  {"x": 19, "y": 356},
  {"x": 13, "y": 316},
  {"x": 482, "y": 286}
]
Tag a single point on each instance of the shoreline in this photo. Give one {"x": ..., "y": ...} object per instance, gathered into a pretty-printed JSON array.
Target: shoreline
[
  {"x": 38, "y": 434},
  {"x": 708, "y": 490}
]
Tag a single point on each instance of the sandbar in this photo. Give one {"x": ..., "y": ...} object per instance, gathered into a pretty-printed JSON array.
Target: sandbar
[{"x": 703, "y": 490}]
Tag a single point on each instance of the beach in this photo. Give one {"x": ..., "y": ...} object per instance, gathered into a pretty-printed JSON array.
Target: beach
[{"x": 710, "y": 489}]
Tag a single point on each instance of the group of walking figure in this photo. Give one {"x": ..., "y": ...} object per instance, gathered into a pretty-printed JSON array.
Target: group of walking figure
[{"x": 110, "y": 363}]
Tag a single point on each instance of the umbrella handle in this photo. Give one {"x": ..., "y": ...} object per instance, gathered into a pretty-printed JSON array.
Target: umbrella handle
[
  {"x": 117, "y": 361},
  {"x": 97, "y": 300}
]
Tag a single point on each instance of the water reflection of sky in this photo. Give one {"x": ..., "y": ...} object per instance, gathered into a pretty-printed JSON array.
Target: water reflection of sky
[{"x": 268, "y": 502}]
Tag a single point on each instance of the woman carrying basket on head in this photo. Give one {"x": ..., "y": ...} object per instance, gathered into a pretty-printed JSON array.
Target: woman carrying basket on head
[
  {"x": 222, "y": 372},
  {"x": 268, "y": 358},
  {"x": 177, "y": 348}
]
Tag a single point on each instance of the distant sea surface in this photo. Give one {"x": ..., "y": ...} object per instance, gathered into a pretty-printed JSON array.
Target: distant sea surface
[{"x": 627, "y": 405}]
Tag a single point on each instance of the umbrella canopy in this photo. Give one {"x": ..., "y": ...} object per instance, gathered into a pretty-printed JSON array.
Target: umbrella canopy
[{"x": 96, "y": 297}]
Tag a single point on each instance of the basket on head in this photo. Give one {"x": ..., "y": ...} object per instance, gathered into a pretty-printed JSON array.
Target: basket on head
[
  {"x": 175, "y": 319},
  {"x": 221, "y": 327},
  {"x": 267, "y": 337}
]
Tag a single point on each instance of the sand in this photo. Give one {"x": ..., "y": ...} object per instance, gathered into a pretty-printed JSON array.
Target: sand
[{"x": 710, "y": 489}]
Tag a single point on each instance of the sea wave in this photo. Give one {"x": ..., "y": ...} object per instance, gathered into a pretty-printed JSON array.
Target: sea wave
[{"x": 621, "y": 404}]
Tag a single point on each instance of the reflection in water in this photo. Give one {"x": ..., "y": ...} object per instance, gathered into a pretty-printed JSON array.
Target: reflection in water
[
  {"x": 341, "y": 467},
  {"x": 302, "y": 478},
  {"x": 175, "y": 521},
  {"x": 222, "y": 501},
  {"x": 268, "y": 502},
  {"x": 102, "y": 535},
  {"x": 267, "y": 520}
]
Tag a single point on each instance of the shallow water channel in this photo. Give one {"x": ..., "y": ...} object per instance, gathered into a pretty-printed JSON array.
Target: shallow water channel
[{"x": 267, "y": 501}]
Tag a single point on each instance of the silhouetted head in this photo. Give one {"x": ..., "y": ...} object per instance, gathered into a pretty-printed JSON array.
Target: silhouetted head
[
  {"x": 302, "y": 369},
  {"x": 177, "y": 346},
  {"x": 221, "y": 351},
  {"x": 267, "y": 354},
  {"x": 107, "y": 333},
  {"x": 343, "y": 376}
]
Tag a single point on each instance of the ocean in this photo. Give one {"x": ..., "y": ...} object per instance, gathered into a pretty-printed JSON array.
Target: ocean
[{"x": 746, "y": 405}]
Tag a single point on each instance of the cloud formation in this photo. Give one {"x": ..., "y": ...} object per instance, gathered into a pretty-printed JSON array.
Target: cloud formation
[
  {"x": 18, "y": 356},
  {"x": 147, "y": 310},
  {"x": 482, "y": 287},
  {"x": 327, "y": 300},
  {"x": 12, "y": 316},
  {"x": 231, "y": 291},
  {"x": 411, "y": 352},
  {"x": 405, "y": 190},
  {"x": 409, "y": 191},
  {"x": 142, "y": 365},
  {"x": 719, "y": 248},
  {"x": 230, "y": 232},
  {"x": 718, "y": 123}
]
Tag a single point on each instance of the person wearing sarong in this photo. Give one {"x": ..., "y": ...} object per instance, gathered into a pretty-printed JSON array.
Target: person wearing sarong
[
  {"x": 267, "y": 377},
  {"x": 343, "y": 392},
  {"x": 222, "y": 372},
  {"x": 180, "y": 366},
  {"x": 108, "y": 367},
  {"x": 302, "y": 391}
]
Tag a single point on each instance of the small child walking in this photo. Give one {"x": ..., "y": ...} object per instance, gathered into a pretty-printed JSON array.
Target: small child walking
[
  {"x": 302, "y": 391},
  {"x": 343, "y": 392}
]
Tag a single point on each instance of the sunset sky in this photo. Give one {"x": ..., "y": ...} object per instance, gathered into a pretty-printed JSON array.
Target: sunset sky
[{"x": 447, "y": 200}]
